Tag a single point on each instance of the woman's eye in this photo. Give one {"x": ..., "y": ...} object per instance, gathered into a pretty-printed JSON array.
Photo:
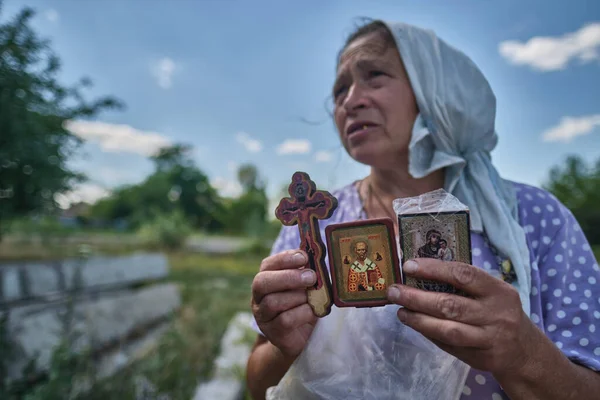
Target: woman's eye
[
  {"x": 339, "y": 91},
  {"x": 375, "y": 73}
]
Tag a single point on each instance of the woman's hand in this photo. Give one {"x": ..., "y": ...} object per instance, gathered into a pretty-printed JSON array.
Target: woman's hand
[
  {"x": 488, "y": 330},
  {"x": 279, "y": 301}
]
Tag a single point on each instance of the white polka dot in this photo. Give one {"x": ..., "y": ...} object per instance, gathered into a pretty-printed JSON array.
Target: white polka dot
[
  {"x": 592, "y": 280},
  {"x": 541, "y": 195},
  {"x": 567, "y": 333},
  {"x": 597, "y": 314},
  {"x": 524, "y": 213},
  {"x": 551, "y": 328},
  {"x": 543, "y": 223},
  {"x": 546, "y": 240},
  {"x": 535, "y": 318},
  {"x": 528, "y": 196},
  {"x": 466, "y": 390},
  {"x": 549, "y": 208},
  {"x": 558, "y": 258},
  {"x": 586, "y": 247},
  {"x": 570, "y": 252},
  {"x": 537, "y": 210},
  {"x": 534, "y": 291},
  {"x": 496, "y": 396},
  {"x": 549, "y": 306},
  {"x": 555, "y": 221},
  {"x": 583, "y": 342},
  {"x": 596, "y": 267},
  {"x": 559, "y": 345},
  {"x": 561, "y": 314},
  {"x": 564, "y": 279},
  {"x": 587, "y": 293},
  {"x": 575, "y": 352},
  {"x": 577, "y": 273},
  {"x": 567, "y": 300},
  {"x": 583, "y": 306},
  {"x": 487, "y": 265},
  {"x": 581, "y": 260},
  {"x": 551, "y": 272},
  {"x": 544, "y": 287},
  {"x": 476, "y": 251},
  {"x": 564, "y": 245},
  {"x": 557, "y": 292},
  {"x": 576, "y": 228},
  {"x": 576, "y": 321},
  {"x": 597, "y": 351},
  {"x": 529, "y": 228},
  {"x": 480, "y": 379},
  {"x": 535, "y": 244},
  {"x": 572, "y": 287},
  {"x": 592, "y": 328},
  {"x": 573, "y": 240}
]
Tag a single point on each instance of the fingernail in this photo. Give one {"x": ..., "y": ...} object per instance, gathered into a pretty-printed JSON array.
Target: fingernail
[
  {"x": 299, "y": 258},
  {"x": 410, "y": 266},
  {"x": 308, "y": 277},
  {"x": 393, "y": 293}
]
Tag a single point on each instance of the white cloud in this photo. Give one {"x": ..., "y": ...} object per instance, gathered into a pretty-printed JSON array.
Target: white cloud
[
  {"x": 226, "y": 188},
  {"x": 571, "y": 127},
  {"x": 52, "y": 15},
  {"x": 323, "y": 156},
  {"x": 294, "y": 146},
  {"x": 545, "y": 53},
  {"x": 251, "y": 145},
  {"x": 118, "y": 138},
  {"x": 163, "y": 71},
  {"x": 86, "y": 192}
]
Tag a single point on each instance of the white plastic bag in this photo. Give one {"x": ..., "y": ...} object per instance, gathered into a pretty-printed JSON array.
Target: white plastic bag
[{"x": 367, "y": 353}]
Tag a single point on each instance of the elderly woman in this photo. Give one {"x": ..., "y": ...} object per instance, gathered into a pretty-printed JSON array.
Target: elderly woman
[{"x": 421, "y": 115}]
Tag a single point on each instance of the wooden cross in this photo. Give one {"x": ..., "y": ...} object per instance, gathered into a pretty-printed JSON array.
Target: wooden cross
[{"x": 305, "y": 207}]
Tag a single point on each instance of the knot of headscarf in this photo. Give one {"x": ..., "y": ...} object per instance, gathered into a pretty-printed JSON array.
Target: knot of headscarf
[{"x": 455, "y": 130}]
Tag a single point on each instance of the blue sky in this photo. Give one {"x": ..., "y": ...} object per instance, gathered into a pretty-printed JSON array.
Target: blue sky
[{"x": 239, "y": 79}]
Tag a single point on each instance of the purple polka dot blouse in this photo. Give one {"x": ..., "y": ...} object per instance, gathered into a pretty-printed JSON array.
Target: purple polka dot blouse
[{"x": 565, "y": 300}]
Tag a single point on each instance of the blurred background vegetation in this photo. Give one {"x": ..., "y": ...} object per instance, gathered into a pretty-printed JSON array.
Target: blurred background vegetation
[{"x": 171, "y": 209}]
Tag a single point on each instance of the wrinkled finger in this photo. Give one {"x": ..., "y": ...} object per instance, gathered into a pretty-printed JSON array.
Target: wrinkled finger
[
  {"x": 288, "y": 321},
  {"x": 279, "y": 281},
  {"x": 439, "y": 305},
  {"x": 451, "y": 333},
  {"x": 468, "y": 278},
  {"x": 276, "y": 303},
  {"x": 285, "y": 260}
]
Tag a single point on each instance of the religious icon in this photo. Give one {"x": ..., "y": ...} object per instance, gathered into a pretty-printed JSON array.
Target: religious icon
[
  {"x": 305, "y": 206},
  {"x": 444, "y": 236},
  {"x": 363, "y": 258}
]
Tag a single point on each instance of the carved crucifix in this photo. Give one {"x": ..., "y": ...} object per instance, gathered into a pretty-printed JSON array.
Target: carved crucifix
[{"x": 305, "y": 207}]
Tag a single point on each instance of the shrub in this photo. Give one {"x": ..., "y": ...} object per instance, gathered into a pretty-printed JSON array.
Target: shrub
[{"x": 168, "y": 231}]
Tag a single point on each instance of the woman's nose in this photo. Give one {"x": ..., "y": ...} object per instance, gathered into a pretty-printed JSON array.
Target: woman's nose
[{"x": 356, "y": 98}]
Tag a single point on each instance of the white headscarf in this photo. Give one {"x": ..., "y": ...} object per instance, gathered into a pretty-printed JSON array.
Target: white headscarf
[{"x": 456, "y": 130}]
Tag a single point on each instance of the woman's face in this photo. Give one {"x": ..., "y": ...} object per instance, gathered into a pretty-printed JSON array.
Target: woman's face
[{"x": 375, "y": 107}]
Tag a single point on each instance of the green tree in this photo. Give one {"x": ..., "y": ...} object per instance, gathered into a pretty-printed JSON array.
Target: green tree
[
  {"x": 34, "y": 107},
  {"x": 176, "y": 185},
  {"x": 577, "y": 186},
  {"x": 248, "y": 213}
]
